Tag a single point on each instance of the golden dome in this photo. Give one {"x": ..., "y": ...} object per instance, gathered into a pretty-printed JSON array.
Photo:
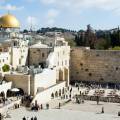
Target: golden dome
[{"x": 9, "y": 21}]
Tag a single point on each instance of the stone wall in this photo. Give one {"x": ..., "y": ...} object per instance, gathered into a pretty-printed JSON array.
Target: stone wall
[
  {"x": 19, "y": 81},
  {"x": 31, "y": 84},
  {"x": 95, "y": 65}
]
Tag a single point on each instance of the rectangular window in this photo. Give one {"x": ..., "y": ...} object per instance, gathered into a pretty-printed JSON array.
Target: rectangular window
[
  {"x": 65, "y": 62},
  {"x": 19, "y": 61},
  {"x": 62, "y": 63},
  {"x": 50, "y": 44},
  {"x": 43, "y": 55}
]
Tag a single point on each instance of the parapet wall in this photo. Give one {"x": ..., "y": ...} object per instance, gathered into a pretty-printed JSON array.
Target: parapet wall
[{"x": 95, "y": 65}]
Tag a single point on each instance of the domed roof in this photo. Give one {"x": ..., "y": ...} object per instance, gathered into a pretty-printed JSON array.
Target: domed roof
[{"x": 9, "y": 21}]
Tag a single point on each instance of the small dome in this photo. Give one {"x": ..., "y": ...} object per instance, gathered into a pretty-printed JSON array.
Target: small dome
[{"x": 9, "y": 21}]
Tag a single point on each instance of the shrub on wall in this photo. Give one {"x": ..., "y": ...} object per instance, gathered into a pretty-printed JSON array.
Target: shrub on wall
[
  {"x": 6, "y": 68},
  {"x": 116, "y": 48}
]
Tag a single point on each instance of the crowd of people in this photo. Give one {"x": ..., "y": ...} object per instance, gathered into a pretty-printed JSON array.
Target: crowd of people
[
  {"x": 79, "y": 97},
  {"x": 27, "y": 118},
  {"x": 97, "y": 92},
  {"x": 36, "y": 107}
]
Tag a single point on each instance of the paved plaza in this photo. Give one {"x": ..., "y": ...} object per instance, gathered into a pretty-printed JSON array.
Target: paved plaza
[{"x": 71, "y": 111}]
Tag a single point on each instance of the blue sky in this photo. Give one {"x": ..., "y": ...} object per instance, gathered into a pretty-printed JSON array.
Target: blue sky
[{"x": 70, "y": 14}]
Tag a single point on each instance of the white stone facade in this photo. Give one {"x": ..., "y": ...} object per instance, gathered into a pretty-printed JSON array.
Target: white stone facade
[
  {"x": 4, "y": 59},
  {"x": 46, "y": 62}
]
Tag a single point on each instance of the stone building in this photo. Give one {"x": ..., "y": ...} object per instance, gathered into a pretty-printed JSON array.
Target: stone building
[
  {"x": 13, "y": 45},
  {"x": 38, "y": 69},
  {"x": 38, "y": 53},
  {"x": 47, "y": 74}
]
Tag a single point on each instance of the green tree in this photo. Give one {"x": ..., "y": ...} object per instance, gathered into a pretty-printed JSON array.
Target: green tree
[
  {"x": 108, "y": 40},
  {"x": 71, "y": 42},
  {"x": 25, "y": 31},
  {"x": 101, "y": 44},
  {"x": 115, "y": 38},
  {"x": 6, "y": 68}
]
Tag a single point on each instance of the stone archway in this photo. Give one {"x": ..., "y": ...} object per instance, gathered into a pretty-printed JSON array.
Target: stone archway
[
  {"x": 61, "y": 75},
  {"x": 60, "y": 92},
  {"x": 2, "y": 94},
  {"x": 66, "y": 76},
  {"x": 56, "y": 94},
  {"x": 21, "y": 91},
  {"x": 9, "y": 93},
  {"x": 52, "y": 95},
  {"x": 63, "y": 91}
]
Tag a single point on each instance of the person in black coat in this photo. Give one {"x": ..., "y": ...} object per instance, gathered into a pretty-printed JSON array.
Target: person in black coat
[
  {"x": 41, "y": 106},
  {"x": 32, "y": 118},
  {"x": 24, "y": 118},
  {"x": 59, "y": 105},
  {"x": 35, "y": 118},
  {"x": 0, "y": 116}
]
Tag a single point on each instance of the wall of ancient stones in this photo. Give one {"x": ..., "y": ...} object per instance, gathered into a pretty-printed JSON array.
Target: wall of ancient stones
[{"x": 95, "y": 65}]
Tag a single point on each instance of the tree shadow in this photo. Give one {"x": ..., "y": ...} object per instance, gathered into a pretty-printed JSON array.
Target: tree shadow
[
  {"x": 98, "y": 113},
  {"x": 97, "y": 104}
]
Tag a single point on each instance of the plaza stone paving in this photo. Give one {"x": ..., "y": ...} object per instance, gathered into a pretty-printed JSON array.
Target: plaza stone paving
[{"x": 71, "y": 111}]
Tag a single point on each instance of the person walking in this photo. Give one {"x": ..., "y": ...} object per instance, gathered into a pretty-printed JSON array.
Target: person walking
[
  {"x": 119, "y": 113},
  {"x": 35, "y": 118},
  {"x": 59, "y": 105},
  {"x": 0, "y": 116},
  {"x": 97, "y": 99},
  {"x": 71, "y": 90},
  {"x": 70, "y": 96},
  {"x": 47, "y": 106},
  {"x": 102, "y": 110},
  {"x": 24, "y": 118},
  {"x": 32, "y": 118},
  {"x": 78, "y": 88},
  {"x": 41, "y": 106}
]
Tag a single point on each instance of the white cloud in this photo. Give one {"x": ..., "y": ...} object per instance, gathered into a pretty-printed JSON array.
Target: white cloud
[
  {"x": 112, "y": 5},
  {"x": 11, "y": 7},
  {"x": 32, "y": 21},
  {"x": 2, "y": 1},
  {"x": 50, "y": 22},
  {"x": 31, "y": 0},
  {"x": 51, "y": 16},
  {"x": 52, "y": 13},
  {"x": 48, "y": 1}
]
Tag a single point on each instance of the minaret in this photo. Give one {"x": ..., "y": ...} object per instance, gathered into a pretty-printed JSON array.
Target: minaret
[{"x": 31, "y": 25}]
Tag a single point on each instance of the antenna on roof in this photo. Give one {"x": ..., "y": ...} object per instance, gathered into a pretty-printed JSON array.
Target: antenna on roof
[{"x": 8, "y": 11}]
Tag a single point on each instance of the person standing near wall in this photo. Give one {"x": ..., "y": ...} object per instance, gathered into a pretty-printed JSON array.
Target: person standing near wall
[{"x": 59, "y": 105}]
